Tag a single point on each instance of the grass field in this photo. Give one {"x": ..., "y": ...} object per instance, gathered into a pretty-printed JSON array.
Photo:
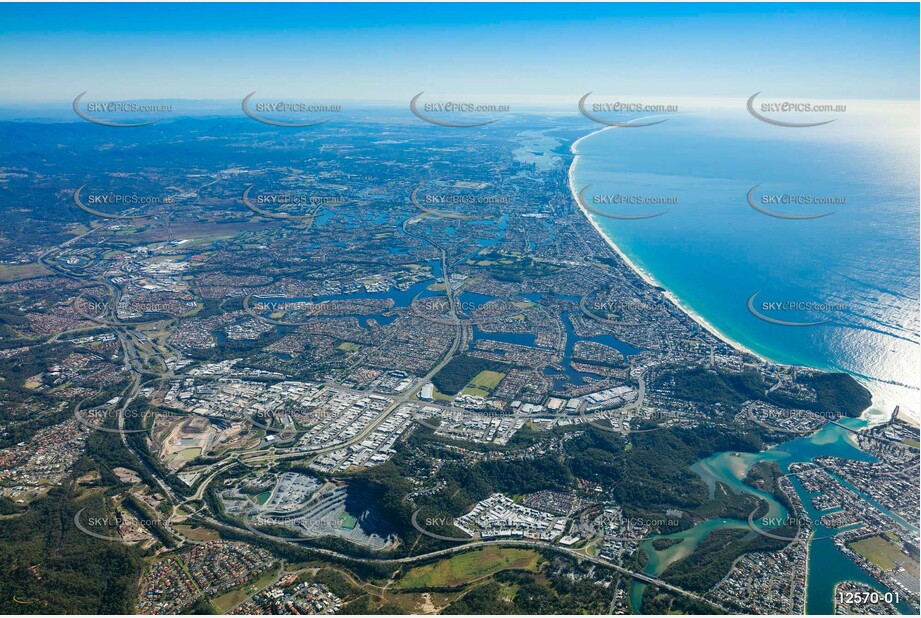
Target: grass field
[
  {"x": 227, "y": 602},
  {"x": 198, "y": 534},
  {"x": 476, "y": 392},
  {"x": 487, "y": 380},
  {"x": 437, "y": 395},
  {"x": 880, "y": 551},
  {"x": 348, "y": 346},
  {"x": 208, "y": 239},
  {"x": 190, "y": 453},
  {"x": 470, "y": 566},
  {"x": 18, "y": 272},
  {"x": 347, "y": 521}
]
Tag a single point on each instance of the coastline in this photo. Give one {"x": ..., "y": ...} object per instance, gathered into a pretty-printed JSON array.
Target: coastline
[
  {"x": 645, "y": 276},
  {"x": 699, "y": 319}
]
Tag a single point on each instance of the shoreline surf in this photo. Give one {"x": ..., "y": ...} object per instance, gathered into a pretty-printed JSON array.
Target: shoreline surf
[
  {"x": 650, "y": 279},
  {"x": 643, "y": 274}
]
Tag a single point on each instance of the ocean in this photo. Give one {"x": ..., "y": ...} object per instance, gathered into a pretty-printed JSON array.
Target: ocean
[{"x": 732, "y": 264}]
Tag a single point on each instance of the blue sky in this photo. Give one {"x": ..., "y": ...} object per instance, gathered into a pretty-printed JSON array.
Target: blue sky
[{"x": 520, "y": 52}]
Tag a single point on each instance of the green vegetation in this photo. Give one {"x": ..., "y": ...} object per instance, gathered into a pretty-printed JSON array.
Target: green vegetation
[
  {"x": 18, "y": 272},
  {"x": 765, "y": 476},
  {"x": 487, "y": 379},
  {"x": 461, "y": 369},
  {"x": 227, "y": 601},
  {"x": 466, "y": 567},
  {"x": 880, "y": 551},
  {"x": 517, "y": 592},
  {"x": 490, "y": 598},
  {"x": 8, "y": 507},
  {"x": 662, "y": 602},
  {"x": 347, "y": 521},
  {"x": 513, "y": 477},
  {"x": 105, "y": 451},
  {"x": 483, "y": 383},
  {"x": 59, "y": 569},
  {"x": 203, "y": 607},
  {"x": 23, "y": 411},
  {"x": 837, "y": 394},
  {"x": 190, "y": 453},
  {"x": 372, "y": 605},
  {"x": 709, "y": 387},
  {"x": 337, "y": 583},
  {"x": 196, "y": 532},
  {"x": 513, "y": 267},
  {"x": 713, "y": 558},
  {"x": 635, "y": 474},
  {"x": 140, "y": 415},
  {"x": 474, "y": 391},
  {"x": 145, "y": 513},
  {"x": 641, "y": 478},
  {"x": 662, "y": 543}
]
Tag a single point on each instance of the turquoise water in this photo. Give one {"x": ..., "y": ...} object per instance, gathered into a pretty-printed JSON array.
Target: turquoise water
[
  {"x": 827, "y": 565},
  {"x": 713, "y": 251}
]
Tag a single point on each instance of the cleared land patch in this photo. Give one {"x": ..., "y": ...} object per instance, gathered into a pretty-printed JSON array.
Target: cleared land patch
[
  {"x": 18, "y": 272},
  {"x": 467, "y": 567},
  {"x": 880, "y": 551},
  {"x": 487, "y": 379}
]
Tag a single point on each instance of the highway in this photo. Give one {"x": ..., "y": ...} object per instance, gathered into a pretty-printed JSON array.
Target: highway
[
  {"x": 137, "y": 351},
  {"x": 457, "y": 549}
]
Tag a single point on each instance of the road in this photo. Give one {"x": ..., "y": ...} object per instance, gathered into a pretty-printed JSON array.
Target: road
[
  {"x": 136, "y": 352},
  {"x": 532, "y": 544}
]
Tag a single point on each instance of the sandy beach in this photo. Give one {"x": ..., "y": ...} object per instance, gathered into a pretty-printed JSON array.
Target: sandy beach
[{"x": 648, "y": 278}]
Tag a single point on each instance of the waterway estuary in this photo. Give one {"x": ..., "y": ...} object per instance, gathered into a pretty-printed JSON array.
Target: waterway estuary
[{"x": 827, "y": 565}]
